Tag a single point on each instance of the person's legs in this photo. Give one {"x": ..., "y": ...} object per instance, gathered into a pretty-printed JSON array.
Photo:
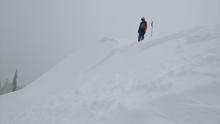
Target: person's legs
[
  {"x": 142, "y": 36},
  {"x": 139, "y": 37}
]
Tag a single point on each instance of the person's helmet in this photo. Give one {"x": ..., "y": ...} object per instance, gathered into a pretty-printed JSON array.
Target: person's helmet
[{"x": 142, "y": 19}]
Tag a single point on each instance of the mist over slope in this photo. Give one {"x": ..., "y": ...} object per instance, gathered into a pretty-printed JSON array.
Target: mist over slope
[
  {"x": 171, "y": 80},
  {"x": 36, "y": 35}
]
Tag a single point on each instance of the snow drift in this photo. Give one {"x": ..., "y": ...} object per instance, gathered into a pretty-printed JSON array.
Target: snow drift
[{"x": 172, "y": 80}]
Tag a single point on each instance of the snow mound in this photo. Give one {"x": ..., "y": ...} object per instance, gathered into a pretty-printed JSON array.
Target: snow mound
[{"x": 171, "y": 80}]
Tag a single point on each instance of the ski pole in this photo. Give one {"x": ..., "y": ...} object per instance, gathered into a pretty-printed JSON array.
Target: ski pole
[{"x": 152, "y": 26}]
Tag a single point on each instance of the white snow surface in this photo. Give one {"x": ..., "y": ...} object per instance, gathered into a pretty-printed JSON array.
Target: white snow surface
[{"x": 171, "y": 80}]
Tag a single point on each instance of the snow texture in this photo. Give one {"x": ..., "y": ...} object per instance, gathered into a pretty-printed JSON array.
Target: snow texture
[{"x": 171, "y": 80}]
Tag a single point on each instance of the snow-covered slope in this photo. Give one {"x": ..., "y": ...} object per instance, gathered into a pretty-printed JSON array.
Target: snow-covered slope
[{"x": 172, "y": 80}]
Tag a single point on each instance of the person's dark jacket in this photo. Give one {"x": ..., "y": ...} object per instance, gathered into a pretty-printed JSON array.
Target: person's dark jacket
[{"x": 142, "y": 27}]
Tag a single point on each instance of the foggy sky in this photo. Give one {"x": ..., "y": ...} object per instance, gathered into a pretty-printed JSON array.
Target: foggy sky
[{"x": 37, "y": 34}]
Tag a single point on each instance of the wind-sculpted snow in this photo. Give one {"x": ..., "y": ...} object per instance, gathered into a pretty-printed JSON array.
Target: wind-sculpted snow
[{"x": 171, "y": 80}]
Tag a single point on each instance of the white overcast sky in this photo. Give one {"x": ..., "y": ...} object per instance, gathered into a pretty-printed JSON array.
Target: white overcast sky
[{"x": 37, "y": 34}]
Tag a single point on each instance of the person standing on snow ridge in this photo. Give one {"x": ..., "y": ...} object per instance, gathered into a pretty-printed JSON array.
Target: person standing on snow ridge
[{"x": 142, "y": 29}]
